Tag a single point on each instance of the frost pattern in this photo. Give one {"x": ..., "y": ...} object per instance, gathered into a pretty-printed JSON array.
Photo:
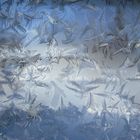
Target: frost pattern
[{"x": 69, "y": 71}]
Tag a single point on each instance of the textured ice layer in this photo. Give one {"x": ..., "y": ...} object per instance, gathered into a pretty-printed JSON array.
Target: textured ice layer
[
  {"x": 69, "y": 72},
  {"x": 67, "y": 124}
]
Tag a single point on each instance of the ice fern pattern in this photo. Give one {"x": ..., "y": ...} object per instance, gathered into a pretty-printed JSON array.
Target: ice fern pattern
[{"x": 69, "y": 70}]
